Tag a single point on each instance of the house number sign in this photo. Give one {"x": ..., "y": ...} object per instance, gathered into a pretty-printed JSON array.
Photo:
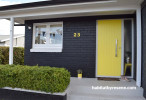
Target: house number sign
[{"x": 77, "y": 34}]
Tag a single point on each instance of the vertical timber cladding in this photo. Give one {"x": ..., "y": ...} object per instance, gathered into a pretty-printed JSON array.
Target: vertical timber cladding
[{"x": 78, "y": 52}]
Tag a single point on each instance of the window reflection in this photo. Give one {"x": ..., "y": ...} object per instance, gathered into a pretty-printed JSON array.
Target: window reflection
[
  {"x": 56, "y": 34},
  {"x": 40, "y": 35}
]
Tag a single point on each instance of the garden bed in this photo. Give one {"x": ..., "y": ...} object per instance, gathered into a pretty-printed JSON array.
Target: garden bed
[
  {"x": 8, "y": 93},
  {"x": 33, "y": 83}
]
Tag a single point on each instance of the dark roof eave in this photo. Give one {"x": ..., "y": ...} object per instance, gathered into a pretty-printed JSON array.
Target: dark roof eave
[{"x": 44, "y": 3}]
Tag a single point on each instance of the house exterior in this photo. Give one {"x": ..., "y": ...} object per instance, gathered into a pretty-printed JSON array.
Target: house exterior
[
  {"x": 18, "y": 40},
  {"x": 101, "y": 37}
]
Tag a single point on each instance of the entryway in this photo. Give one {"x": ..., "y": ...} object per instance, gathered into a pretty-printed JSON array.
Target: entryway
[
  {"x": 115, "y": 48},
  {"x": 81, "y": 89}
]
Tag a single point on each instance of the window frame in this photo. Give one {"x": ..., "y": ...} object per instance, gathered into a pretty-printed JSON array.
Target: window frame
[{"x": 46, "y": 47}]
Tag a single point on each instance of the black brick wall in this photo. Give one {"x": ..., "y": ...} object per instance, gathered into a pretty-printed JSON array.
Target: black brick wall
[
  {"x": 144, "y": 47},
  {"x": 78, "y": 53}
]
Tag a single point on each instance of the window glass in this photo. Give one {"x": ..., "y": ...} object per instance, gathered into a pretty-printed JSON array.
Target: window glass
[
  {"x": 56, "y": 32},
  {"x": 128, "y": 45},
  {"x": 40, "y": 35}
]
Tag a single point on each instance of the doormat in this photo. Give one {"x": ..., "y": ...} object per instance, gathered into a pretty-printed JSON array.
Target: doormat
[{"x": 108, "y": 79}]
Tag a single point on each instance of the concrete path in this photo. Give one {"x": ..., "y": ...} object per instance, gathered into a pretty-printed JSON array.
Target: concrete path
[{"x": 81, "y": 89}]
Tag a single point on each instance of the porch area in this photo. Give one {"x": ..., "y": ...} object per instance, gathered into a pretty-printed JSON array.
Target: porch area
[
  {"x": 81, "y": 89},
  {"x": 20, "y": 14}
]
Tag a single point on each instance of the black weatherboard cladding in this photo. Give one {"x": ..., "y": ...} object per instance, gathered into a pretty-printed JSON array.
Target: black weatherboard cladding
[
  {"x": 144, "y": 47},
  {"x": 78, "y": 53}
]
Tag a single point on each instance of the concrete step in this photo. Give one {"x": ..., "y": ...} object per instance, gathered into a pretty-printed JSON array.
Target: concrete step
[
  {"x": 88, "y": 90},
  {"x": 102, "y": 97},
  {"x": 81, "y": 89}
]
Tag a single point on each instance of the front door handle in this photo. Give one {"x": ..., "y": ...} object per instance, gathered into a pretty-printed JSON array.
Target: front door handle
[{"x": 116, "y": 48}]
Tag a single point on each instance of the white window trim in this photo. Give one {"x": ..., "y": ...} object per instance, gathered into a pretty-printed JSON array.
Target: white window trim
[{"x": 46, "y": 47}]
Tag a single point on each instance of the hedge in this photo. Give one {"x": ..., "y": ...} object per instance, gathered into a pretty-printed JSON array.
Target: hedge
[
  {"x": 47, "y": 79},
  {"x": 18, "y": 55}
]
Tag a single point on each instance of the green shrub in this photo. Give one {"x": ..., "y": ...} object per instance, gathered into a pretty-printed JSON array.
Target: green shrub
[
  {"x": 47, "y": 79},
  {"x": 18, "y": 55}
]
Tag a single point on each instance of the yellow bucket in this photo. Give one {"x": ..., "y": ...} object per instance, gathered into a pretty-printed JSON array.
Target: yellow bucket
[{"x": 79, "y": 75}]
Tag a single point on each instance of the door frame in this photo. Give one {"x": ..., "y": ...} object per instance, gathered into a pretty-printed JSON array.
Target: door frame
[{"x": 122, "y": 46}]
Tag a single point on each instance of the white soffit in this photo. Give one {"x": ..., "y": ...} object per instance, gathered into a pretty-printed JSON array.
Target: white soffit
[{"x": 20, "y": 20}]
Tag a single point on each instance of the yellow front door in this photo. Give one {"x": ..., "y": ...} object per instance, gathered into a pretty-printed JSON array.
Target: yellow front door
[{"x": 109, "y": 48}]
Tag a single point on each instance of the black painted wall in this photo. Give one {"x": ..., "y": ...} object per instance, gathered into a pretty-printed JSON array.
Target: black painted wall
[
  {"x": 78, "y": 53},
  {"x": 144, "y": 47}
]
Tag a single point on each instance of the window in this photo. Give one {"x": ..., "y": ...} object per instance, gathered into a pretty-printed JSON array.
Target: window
[
  {"x": 56, "y": 34},
  {"x": 47, "y": 37},
  {"x": 40, "y": 34}
]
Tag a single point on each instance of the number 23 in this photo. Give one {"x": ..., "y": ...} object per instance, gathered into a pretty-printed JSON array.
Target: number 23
[{"x": 77, "y": 35}]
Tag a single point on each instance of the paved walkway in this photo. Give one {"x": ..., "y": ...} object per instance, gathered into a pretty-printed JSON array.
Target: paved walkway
[{"x": 81, "y": 89}]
